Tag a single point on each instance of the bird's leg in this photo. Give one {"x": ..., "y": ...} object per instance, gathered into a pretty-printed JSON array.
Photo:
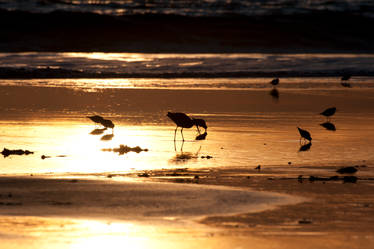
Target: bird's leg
[
  {"x": 182, "y": 134},
  {"x": 198, "y": 130},
  {"x": 175, "y": 133},
  {"x": 182, "y": 146}
]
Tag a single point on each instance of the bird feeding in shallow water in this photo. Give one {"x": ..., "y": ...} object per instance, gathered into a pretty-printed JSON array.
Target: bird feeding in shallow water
[
  {"x": 275, "y": 81},
  {"x": 304, "y": 134},
  {"x": 328, "y": 112},
  {"x": 100, "y": 120},
  {"x": 184, "y": 121}
]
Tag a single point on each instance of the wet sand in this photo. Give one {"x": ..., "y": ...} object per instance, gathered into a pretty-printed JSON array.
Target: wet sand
[{"x": 246, "y": 128}]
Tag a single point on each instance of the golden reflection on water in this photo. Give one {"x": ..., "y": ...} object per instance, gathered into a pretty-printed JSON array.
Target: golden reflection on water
[{"x": 66, "y": 233}]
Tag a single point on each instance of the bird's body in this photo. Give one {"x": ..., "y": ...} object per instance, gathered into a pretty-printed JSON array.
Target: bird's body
[
  {"x": 184, "y": 121},
  {"x": 305, "y": 134},
  {"x": 96, "y": 118},
  {"x": 100, "y": 120},
  {"x": 329, "y": 112},
  {"x": 107, "y": 123},
  {"x": 275, "y": 81}
]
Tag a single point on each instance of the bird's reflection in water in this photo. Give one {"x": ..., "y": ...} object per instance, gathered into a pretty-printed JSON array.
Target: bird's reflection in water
[
  {"x": 98, "y": 131},
  {"x": 305, "y": 147},
  {"x": 274, "y": 93},
  {"x": 202, "y": 136},
  {"x": 183, "y": 157},
  {"x": 328, "y": 126},
  {"x": 107, "y": 137}
]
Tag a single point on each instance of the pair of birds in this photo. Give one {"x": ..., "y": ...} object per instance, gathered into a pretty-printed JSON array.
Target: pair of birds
[
  {"x": 305, "y": 134},
  {"x": 180, "y": 119}
]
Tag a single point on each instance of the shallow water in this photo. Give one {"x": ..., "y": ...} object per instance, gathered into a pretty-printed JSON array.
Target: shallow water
[{"x": 245, "y": 128}]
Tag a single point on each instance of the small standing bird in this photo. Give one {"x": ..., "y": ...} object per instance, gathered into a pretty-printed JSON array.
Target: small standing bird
[
  {"x": 275, "y": 81},
  {"x": 184, "y": 121},
  {"x": 344, "y": 80},
  {"x": 304, "y": 134},
  {"x": 329, "y": 112}
]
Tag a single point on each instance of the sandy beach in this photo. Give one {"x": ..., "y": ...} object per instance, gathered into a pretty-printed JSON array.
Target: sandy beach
[{"x": 80, "y": 195}]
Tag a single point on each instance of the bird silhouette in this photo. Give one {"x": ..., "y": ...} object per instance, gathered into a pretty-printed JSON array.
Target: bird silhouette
[
  {"x": 344, "y": 80},
  {"x": 328, "y": 112},
  {"x": 275, "y": 81},
  {"x": 184, "y": 121},
  {"x": 304, "y": 134},
  {"x": 100, "y": 120}
]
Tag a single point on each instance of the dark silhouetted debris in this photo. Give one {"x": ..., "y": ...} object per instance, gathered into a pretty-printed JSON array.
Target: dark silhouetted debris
[
  {"x": 258, "y": 167},
  {"x": 6, "y": 152},
  {"x": 289, "y": 163},
  {"x": 125, "y": 149},
  {"x": 207, "y": 157},
  {"x": 347, "y": 170},
  {"x": 44, "y": 157}
]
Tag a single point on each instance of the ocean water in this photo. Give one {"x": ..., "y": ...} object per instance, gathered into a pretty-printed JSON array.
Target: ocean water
[{"x": 193, "y": 8}]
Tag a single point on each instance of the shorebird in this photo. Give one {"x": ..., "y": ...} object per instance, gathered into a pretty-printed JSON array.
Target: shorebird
[
  {"x": 304, "y": 134},
  {"x": 100, "y": 120},
  {"x": 346, "y": 77},
  {"x": 328, "y": 112},
  {"x": 184, "y": 121},
  {"x": 344, "y": 80},
  {"x": 275, "y": 81}
]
